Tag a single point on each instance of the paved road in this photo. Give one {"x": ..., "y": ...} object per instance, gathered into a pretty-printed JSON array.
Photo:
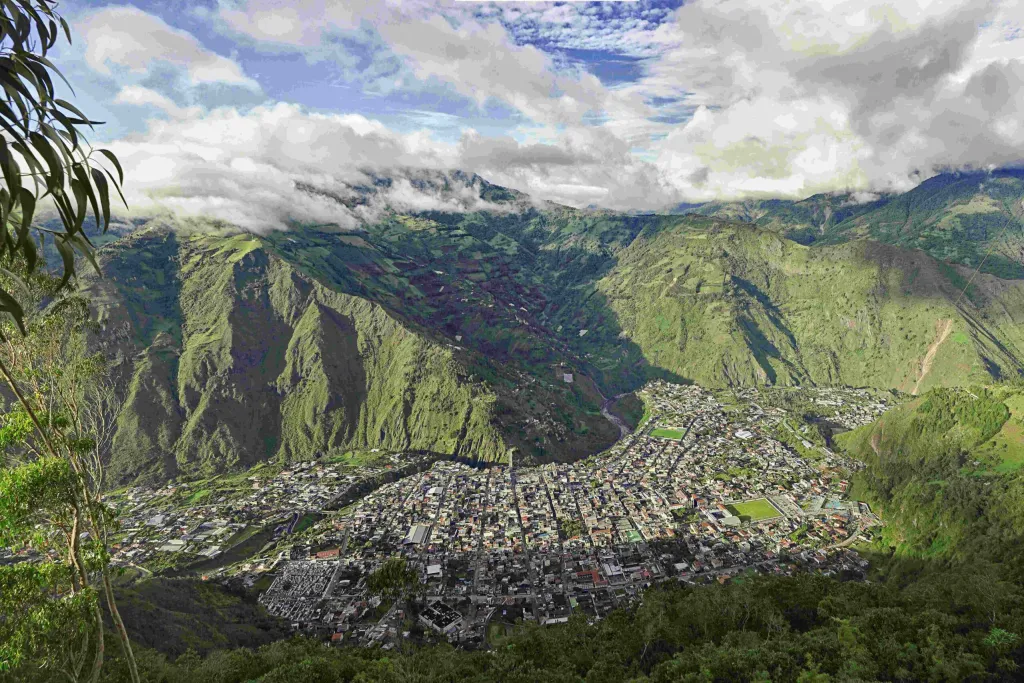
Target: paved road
[{"x": 526, "y": 551}]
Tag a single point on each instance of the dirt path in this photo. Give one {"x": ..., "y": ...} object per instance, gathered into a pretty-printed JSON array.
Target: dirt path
[{"x": 942, "y": 331}]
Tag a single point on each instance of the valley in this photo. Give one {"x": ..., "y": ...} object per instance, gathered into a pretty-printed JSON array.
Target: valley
[
  {"x": 720, "y": 496},
  {"x": 496, "y": 336},
  {"x": 662, "y": 341}
]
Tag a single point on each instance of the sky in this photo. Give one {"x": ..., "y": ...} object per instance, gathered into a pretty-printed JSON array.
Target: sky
[{"x": 221, "y": 106}]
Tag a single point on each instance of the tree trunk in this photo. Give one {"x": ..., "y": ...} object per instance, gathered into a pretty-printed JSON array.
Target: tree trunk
[{"x": 122, "y": 633}]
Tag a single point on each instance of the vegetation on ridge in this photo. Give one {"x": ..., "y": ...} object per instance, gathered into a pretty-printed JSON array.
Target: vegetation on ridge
[{"x": 511, "y": 327}]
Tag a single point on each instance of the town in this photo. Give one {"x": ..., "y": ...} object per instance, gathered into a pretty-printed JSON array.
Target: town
[{"x": 709, "y": 486}]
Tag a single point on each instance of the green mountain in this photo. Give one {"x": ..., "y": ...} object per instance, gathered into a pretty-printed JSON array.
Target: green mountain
[
  {"x": 955, "y": 217},
  {"x": 482, "y": 334},
  {"x": 728, "y": 304},
  {"x": 230, "y": 355},
  {"x": 944, "y": 470}
]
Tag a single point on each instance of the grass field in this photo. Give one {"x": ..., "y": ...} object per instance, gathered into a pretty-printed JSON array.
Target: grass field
[
  {"x": 754, "y": 510},
  {"x": 198, "y": 496},
  {"x": 667, "y": 434},
  {"x": 498, "y": 632},
  {"x": 355, "y": 458}
]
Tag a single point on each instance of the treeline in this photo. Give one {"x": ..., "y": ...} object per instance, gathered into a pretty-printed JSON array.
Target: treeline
[{"x": 944, "y": 626}]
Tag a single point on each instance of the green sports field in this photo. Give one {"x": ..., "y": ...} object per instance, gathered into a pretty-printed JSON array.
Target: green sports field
[
  {"x": 667, "y": 434},
  {"x": 754, "y": 510}
]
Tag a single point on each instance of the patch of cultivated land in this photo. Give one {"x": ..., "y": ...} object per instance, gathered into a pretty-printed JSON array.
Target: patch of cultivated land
[{"x": 756, "y": 510}]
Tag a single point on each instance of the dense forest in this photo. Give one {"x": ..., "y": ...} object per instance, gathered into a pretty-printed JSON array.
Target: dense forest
[{"x": 949, "y": 625}]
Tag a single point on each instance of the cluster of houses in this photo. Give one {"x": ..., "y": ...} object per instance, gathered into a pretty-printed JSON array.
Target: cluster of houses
[
  {"x": 698, "y": 493},
  {"x": 182, "y": 524}
]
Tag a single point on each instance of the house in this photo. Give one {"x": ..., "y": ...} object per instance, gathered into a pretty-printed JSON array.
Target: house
[{"x": 441, "y": 617}]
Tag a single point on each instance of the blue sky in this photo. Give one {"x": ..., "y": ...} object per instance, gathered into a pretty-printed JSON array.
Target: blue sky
[{"x": 629, "y": 105}]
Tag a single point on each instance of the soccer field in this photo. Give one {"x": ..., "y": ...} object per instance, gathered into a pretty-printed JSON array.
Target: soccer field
[
  {"x": 667, "y": 434},
  {"x": 755, "y": 510}
]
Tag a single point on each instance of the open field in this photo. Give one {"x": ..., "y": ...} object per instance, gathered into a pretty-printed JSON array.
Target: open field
[
  {"x": 755, "y": 510},
  {"x": 675, "y": 434}
]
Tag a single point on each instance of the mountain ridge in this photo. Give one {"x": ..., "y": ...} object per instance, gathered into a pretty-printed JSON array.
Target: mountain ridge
[
  {"x": 974, "y": 218},
  {"x": 516, "y": 324}
]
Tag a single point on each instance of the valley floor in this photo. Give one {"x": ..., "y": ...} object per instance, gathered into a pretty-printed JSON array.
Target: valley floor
[{"x": 735, "y": 487}]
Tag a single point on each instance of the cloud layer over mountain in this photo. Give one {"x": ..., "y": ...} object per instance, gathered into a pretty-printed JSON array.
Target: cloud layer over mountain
[{"x": 622, "y": 105}]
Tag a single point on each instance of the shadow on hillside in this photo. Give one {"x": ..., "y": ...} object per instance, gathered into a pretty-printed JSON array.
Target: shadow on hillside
[{"x": 510, "y": 289}]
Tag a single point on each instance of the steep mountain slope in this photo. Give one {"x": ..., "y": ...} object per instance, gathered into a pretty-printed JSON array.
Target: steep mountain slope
[
  {"x": 955, "y": 217},
  {"x": 233, "y": 356},
  {"x": 944, "y": 470},
  {"x": 473, "y": 333},
  {"x": 727, "y": 304}
]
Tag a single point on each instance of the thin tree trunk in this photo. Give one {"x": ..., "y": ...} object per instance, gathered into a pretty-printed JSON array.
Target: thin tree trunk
[
  {"x": 108, "y": 589},
  {"x": 115, "y": 616},
  {"x": 97, "y": 664},
  {"x": 83, "y": 574}
]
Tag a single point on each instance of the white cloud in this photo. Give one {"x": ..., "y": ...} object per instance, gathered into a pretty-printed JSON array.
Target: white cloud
[
  {"x": 753, "y": 97},
  {"x": 481, "y": 62},
  {"x": 807, "y": 97},
  {"x": 247, "y": 168},
  {"x": 141, "y": 96},
  {"x": 443, "y": 41},
  {"x": 131, "y": 38},
  {"x": 302, "y": 23}
]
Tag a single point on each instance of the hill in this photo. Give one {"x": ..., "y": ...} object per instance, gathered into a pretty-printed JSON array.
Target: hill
[
  {"x": 955, "y": 217},
  {"x": 944, "y": 471},
  {"x": 499, "y": 330}
]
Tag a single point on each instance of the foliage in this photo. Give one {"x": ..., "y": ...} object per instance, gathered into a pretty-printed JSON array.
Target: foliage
[
  {"x": 175, "y": 615},
  {"x": 45, "y": 622},
  {"x": 760, "y": 628},
  {"x": 393, "y": 580},
  {"x": 50, "y": 504},
  {"x": 43, "y": 135},
  {"x": 934, "y": 477}
]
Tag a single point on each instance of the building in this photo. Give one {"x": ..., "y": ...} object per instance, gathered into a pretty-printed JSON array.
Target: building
[
  {"x": 417, "y": 534},
  {"x": 441, "y": 618}
]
